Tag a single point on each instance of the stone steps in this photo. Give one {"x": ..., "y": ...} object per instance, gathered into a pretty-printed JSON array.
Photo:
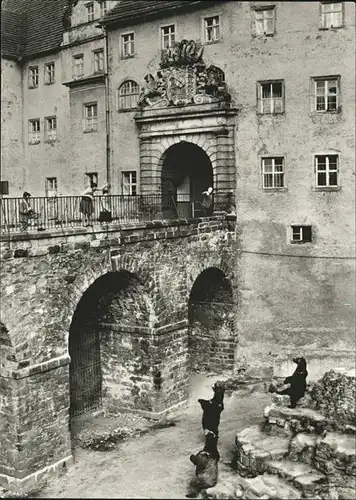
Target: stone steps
[
  {"x": 302, "y": 476},
  {"x": 254, "y": 449}
]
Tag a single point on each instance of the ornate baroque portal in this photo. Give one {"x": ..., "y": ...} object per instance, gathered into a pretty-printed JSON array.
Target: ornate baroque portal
[{"x": 187, "y": 102}]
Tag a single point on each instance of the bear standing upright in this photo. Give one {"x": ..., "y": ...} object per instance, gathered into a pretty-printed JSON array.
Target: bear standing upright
[{"x": 297, "y": 382}]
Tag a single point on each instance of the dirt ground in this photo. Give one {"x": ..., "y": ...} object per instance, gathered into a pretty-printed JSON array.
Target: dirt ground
[{"x": 157, "y": 465}]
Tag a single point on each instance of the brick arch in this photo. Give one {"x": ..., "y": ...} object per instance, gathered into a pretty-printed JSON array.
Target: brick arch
[{"x": 204, "y": 265}]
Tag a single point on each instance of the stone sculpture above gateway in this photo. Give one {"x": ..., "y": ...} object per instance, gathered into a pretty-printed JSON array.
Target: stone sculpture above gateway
[{"x": 184, "y": 79}]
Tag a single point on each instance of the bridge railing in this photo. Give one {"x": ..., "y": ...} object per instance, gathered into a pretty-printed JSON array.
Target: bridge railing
[{"x": 65, "y": 211}]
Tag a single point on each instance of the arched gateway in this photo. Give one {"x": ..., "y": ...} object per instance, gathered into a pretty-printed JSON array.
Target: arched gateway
[{"x": 186, "y": 104}]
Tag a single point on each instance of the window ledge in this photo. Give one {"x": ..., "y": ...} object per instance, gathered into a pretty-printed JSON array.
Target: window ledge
[
  {"x": 275, "y": 190},
  {"x": 131, "y": 56},
  {"x": 89, "y": 131},
  {"x": 48, "y": 83},
  {"x": 127, "y": 110},
  {"x": 279, "y": 113},
  {"x": 264, "y": 35},
  {"x": 33, "y": 143},
  {"x": 292, "y": 242},
  {"x": 331, "y": 29},
  {"x": 326, "y": 188},
  {"x": 50, "y": 141},
  {"x": 33, "y": 87},
  {"x": 211, "y": 42}
]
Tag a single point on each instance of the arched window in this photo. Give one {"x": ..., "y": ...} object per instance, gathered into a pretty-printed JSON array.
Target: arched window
[{"x": 128, "y": 95}]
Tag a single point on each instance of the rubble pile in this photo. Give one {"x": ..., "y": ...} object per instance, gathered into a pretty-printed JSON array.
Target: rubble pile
[{"x": 306, "y": 452}]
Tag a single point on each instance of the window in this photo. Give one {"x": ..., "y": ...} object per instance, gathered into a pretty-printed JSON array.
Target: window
[
  {"x": 270, "y": 97},
  {"x": 49, "y": 73},
  {"x": 91, "y": 117},
  {"x": 128, "y": 45},
  {"x": 129, "y": 183},
  {"x": 103, "y": 8},
  {"x": 78, "y": 66},
  {"x": 331, "y": 15},
  {"x": 168, "y": 36},
  {"x": 90, "y": 12},
  {"x": 301, "y": 234},
  {"x": 264, "y": 21},
  {"x": 212, "y": 28},
  {"x": 34, "y": 131},
  {"x": 33, "y": 77},
  {"x": 98, "y": 61},
  {"x": 326, "y": 94},
  {"x": 51, "y": 186},
  {"x": 326, "y": 170},
  {"x": 90, "y": 179},
  {"x": 51, "y": 128},
  {"x": 128, "y": 95},
  {"x": 273, "y": 172},
  {"x": 4, "y": 187}
]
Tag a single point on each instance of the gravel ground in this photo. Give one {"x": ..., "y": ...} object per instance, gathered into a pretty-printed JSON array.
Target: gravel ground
[{"x": 157, "y": 465}]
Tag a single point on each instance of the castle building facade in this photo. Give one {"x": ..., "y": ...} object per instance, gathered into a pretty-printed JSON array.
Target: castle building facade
[{"x": 254, "y": 99}]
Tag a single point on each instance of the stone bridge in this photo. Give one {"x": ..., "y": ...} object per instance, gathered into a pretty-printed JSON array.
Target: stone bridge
[{"x": 114, "y": 317}]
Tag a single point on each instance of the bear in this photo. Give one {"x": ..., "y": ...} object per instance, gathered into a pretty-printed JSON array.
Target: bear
[
  {"x": 212, "y": 409},
  {"x": 297, "y": 382},
  {"x": 206, "y": 466}
]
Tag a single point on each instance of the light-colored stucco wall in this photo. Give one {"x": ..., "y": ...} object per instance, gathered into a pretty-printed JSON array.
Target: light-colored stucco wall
[
  {"x": 12, "y": 168},
  {"x": 290, "y": 300}
]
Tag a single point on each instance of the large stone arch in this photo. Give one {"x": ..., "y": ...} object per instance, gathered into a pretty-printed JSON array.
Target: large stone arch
[{"x": 212, "y": 326}]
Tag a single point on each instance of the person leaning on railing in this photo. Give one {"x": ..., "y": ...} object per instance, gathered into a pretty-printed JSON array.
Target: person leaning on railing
[
  {"x": 86, "y": 206},
  {"x": 26, "y": 211}
]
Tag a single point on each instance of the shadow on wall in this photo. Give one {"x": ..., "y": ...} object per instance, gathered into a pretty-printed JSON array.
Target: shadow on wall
[{"x": 211, "y": 322}]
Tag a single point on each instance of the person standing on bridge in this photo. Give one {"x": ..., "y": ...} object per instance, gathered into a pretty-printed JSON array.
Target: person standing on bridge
[
  {"x": 207, "y": 201},
  {"x": 86, "y": 206},
  {"x": 26, "y": 212}
]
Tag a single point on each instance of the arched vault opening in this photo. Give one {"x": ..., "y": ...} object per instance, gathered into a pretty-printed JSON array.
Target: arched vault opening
[
  {"x": 211, "y": 322},
  {"x": 186, "y": 173}
]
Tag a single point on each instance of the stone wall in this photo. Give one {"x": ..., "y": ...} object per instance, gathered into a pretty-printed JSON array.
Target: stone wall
[{"x": 49, "y": 279}]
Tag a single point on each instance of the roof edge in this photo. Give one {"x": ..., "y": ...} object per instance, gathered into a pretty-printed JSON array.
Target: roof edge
[{"x": 133, "y": 19}]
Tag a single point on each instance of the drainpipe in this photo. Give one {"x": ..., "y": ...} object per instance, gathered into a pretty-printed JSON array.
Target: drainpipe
[{"x": 107, "y": 110}]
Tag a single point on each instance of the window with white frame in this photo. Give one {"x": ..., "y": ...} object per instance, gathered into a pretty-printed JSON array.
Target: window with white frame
[
  {"x": 212, "y": 28},
  {"x": 273, "y": 172},
  {"x": 326, "y": 93},
  {"x": 127, "y": 45},
  {"x": 90, "y": 11},
  {"x": 91, "y": 179},
  {"x": 265, "y": 21},
  {"x": 50, "y": 128},
  {"x": 168, "y": 36},
  {"x": 34, "y": 130},
  {"x": 49, "y": 73},
  {"x": 128, "y": 94},
  {"x": 301, "y": 234},
  {"x": 331, "y": 15},
  {"x": 270, "y": 97},
  {"x": 103, "y": 8},
  {"x": 33, "y": 77},
  {"x": 51, "y": 186},
  {"x": 98, "y": 61},
  {"x": 326, "y": 170},
  {"x": 129, "y": 183},
  {"x": 78, "y": 66},
  {"x": 91, "y": 117}
]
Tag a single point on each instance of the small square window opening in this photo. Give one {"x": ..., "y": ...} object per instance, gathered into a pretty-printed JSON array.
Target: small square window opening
[
  {"x": 273, "y": 172},
  {"x": 301, "y": 234},
  {"x": 271, "y": 97}
]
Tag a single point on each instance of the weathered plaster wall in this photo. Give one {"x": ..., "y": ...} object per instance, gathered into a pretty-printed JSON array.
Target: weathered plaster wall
[{"x": 12, "y": 168}]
